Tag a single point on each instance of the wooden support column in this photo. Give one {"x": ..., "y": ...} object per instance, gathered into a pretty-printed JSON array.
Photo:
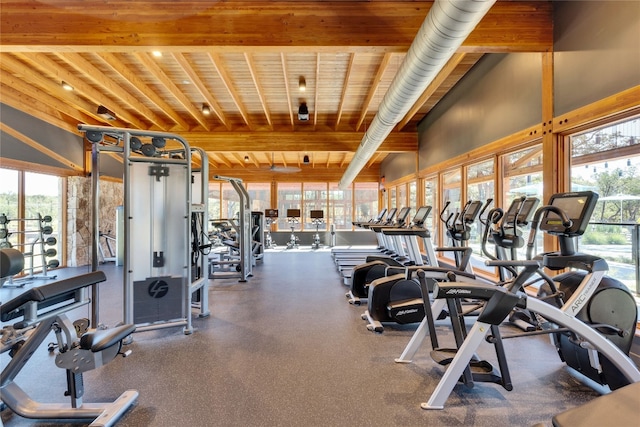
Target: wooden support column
[{"x": 554, "y": 170}]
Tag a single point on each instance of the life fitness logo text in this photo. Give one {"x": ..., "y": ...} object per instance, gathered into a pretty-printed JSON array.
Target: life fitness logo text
[{"x": 158, "y": 289}]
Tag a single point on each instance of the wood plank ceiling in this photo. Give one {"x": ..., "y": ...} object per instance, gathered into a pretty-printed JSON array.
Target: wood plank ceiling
[{"x": 245, "y": 61}]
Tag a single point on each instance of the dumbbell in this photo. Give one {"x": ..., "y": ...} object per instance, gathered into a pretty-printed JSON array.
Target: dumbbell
[
  {"x": 5, "y": 245},
  {"x": 4, "y": 233},
  {"x": 50, "y": 252},
  {"x": 50, "y": 241},
  {"x": 53, "y": 263}
]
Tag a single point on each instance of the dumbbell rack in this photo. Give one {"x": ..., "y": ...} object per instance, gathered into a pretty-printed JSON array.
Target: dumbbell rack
[{"x": 31, "y": 250}]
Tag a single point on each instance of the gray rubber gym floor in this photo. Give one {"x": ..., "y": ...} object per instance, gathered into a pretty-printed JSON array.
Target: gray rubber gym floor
[{"x": 285, "y": 349}]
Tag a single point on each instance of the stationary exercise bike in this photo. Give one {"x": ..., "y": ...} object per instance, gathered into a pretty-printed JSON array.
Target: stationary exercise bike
[
  {"x": 293, "y": 218},
  {"x": 35, "y": 314},
  {"x": 592, "y": 330},
  {"x": 317, "y": 218},
  {"x": 270, "y": 216}
]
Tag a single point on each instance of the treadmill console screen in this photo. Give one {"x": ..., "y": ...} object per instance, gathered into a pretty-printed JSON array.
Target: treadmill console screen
[
  {"x": 391, "y": 215},
  {"x": 381, "y": 214},
  {"x": 421, "y": 215},
  {"x": 577, "y": 205},
  {"x": 293, "y": 213},
  {"x": 403, "y": 214}
]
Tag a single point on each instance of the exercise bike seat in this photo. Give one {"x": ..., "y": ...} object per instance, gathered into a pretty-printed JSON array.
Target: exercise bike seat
[
  {"x": 47, "y": 295},
  {"x": 101, "y": 339}
]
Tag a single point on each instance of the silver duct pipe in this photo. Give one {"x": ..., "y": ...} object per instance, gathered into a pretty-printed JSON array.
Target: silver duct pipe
[{"x": 446, "y": 26}]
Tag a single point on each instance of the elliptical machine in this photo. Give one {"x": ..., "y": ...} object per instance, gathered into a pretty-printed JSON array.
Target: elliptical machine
[{"x": 592, "y": 330}]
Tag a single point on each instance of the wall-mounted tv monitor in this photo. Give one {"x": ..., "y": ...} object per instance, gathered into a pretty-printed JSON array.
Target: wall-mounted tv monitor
[
  {"x": 319, "y": 214},
  {"x": 271, "y": 213}
]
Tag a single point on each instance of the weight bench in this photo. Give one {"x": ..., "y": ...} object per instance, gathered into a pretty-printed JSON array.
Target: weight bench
[{"x": 40, "y": 310}]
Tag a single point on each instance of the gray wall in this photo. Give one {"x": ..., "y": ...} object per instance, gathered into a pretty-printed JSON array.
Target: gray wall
[
  {"x": 64, "y": 143},
  {"x": 396, "y": 166},
  {"x": 499, "y": 96},
  {"x": 597, "y": 51}
]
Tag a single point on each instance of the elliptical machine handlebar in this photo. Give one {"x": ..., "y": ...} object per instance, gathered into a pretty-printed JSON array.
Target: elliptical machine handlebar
[{"x": 566, "y": 223}]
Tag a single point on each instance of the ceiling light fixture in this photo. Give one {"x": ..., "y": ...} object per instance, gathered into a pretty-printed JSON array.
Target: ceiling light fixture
[
  {"x": 67, "y": 86},
  {"x": 246, "y": 159},
  {"x": 206, "y": 110},
  {"x": 157, "y": 53},
  {"x": 105, "y": 113},
  {"x": 302, "y": 84},
  {"x": 306, "y": 160}
]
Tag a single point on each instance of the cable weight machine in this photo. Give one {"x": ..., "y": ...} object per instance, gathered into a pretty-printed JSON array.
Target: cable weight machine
[{"x": 158, "y": 280}]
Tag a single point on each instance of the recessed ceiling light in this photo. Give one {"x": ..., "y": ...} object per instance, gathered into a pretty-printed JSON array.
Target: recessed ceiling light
[
  {"x": 157, "y": 53},
  {"x": 206, "y": 110},
  {"x": 67, "y": 86}
]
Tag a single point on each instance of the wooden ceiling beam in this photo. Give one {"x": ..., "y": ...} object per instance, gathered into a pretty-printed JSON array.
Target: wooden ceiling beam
[
  {"x": 203, "y": 89},
  {"x": 159, "y": 74},
  {"x": 226, "y": 80},
  {"x": 285, "y": 76},
  {"x": 91, "y": 72},
  {"x": 126, "y": 73},
  {"x": 373, "y": 88},
  {"x": 398, "y": 142},
  {"x": 509, "y": 26},
  {"x": 345, "y": 86},
  {"x": 254, "y": 76}
]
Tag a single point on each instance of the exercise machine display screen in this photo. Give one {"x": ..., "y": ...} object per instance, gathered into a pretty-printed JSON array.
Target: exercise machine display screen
[
  {"x": 381, "y": 215},
  {"x": 524, "y": 214},
  {"x": 421, "y": 215},
  {"x": 271, "y": 213},
  {"x": 293, "y": 213},
  {"x": 471, "y": 211},
  {"x": 578, "y": 206},
  {"x": 403, "y": 214},
  {"x": 391, "y": 215},
  {"x": 316, "y": 214}
]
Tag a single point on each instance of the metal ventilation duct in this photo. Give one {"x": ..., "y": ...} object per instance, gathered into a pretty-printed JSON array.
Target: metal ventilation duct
[{"x": 447, "y": 25}]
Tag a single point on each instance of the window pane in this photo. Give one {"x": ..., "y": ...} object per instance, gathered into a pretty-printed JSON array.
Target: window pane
[
  {"x": 413, "y": 195},
  {"x": 289, "y": 197},
  {"x": 430, "y": 199},
  {"x": 230, "y": 203},
  {"x": 214, "y": 200},
  {"x": 315, "y": 198},
  {"x": 451, "y": 192},
  {"x": 401, "y": 200},
  {"x": 607, "y": 161},
  {"x": 42, "y": 198},
  {"x": 260, "y": 195},
  {"x": 523, "y": 177},
  {"x": 480, "y": 186},
  {"x": 340, "y": 207},
  {"x": 9, "y": 201},
  {"x": 365, "y": 200}
]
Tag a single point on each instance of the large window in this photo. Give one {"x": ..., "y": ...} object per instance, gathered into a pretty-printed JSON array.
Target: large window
[
  {"x": 401, "y": 200},
  {"x": 32, "y": 234},
  {"x": 289, "y": 197},
  {"x": 607, "y": 160},
  {"x": 480, "y": 186},
  {"x": 260, "y": 195},
  {"x": 523, "y": 177},
  {"x": 340, "y": 208},
  {"x": 315, "y": 198},
  {"x": 365, "y": 200},
  {"x": 215, "y": 212},
  {"x": 431, "y": 199},
  {"x": 451, "y": 194},
  {"x": 413, "y": 195}
]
